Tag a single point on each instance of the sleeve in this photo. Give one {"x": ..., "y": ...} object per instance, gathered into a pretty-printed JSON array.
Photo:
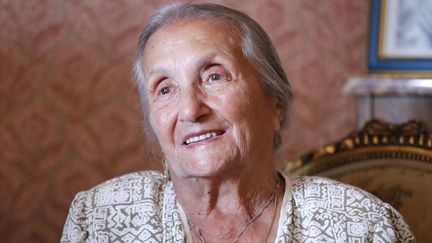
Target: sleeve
[
  {"x": 76, "y": 226},
  {"x": 391, "y": 227}
]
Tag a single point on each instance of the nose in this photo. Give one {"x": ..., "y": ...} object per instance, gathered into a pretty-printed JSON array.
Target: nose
[{"x": 192, "y": 106}]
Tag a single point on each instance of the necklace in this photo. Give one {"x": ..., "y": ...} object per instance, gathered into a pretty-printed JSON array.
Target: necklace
[
  {"x": 274, "y": 216},
  {"x": 273, "y": 195}
]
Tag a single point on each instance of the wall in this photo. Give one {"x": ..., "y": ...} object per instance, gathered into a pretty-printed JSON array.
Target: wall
[{"x": 70, "y": 118}]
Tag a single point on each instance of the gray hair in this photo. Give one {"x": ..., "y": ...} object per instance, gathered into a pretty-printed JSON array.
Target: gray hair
[{"x": 256, "y": 47}]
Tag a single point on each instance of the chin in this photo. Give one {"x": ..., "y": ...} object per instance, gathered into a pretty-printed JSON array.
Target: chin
[{"x": 209, "y": 168}]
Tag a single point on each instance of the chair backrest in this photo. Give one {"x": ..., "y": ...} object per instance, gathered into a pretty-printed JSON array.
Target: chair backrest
[{"x": 393, "y": 162}]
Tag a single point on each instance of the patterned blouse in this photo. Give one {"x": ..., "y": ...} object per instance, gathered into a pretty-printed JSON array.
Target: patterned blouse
[{"x": 142, "y": 207}]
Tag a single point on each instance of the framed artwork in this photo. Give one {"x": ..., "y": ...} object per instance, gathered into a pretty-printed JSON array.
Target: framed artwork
[{"x": 400, "y": 35}]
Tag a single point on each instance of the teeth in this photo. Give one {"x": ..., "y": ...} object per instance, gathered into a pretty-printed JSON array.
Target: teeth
[{"x": 201, "y": 137}]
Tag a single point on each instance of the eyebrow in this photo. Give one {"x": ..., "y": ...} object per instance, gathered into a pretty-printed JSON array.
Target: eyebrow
[
  {"x": 199, "y": 64},
  {"x": 205, "y": 60},
  {"x": 155, "y": 71}
]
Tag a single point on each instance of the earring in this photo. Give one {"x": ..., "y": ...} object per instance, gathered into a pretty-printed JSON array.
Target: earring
[
  {"x": 277, "y": 140},
  {"x": 167, "y": 176}
]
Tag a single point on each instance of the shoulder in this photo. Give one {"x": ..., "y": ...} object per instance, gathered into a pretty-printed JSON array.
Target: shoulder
[
  {"x": 312, "y": 187},
  {"x": 115, "y": 202},
  {"x": 327, "y": 195},
  {"x": 150, "y": 176},
  {"x": 141, "y": 178},
  {"x": 123, "y": 189},
  {"x": 355, "y": 212}
]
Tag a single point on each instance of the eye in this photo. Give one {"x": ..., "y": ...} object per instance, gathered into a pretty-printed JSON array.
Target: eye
[
  {"x": 164, "y": 90},
  {"x": 215, "y": 77},
  {"x": 163, "y": 87},
  {"x": 216, "y": 73}
]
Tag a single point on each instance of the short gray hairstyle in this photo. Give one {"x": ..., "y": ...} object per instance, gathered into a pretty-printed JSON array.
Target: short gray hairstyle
[{"x": 255, "y": 43}]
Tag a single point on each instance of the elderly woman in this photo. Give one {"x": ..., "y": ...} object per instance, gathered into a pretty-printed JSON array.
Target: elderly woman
[{"x": 216, "y": 97}]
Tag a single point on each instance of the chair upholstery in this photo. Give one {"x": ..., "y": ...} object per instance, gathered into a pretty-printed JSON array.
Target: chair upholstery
[{"x": 393, "y": 162}]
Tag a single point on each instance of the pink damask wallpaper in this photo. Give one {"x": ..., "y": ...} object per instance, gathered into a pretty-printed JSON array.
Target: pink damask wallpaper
[{"x": 70, "y": 117}]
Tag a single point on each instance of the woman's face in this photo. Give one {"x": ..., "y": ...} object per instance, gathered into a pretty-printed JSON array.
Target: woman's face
[{"x": 207, "y": 107}]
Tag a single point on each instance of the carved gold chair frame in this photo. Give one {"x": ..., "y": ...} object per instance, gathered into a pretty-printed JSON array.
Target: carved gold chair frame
[{"x": 377, "y": 139}]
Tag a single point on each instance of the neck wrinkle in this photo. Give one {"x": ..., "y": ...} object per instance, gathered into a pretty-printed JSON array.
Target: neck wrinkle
[
  {"x": 285, "y": 194},
  {"x": 235, "y": 197}
]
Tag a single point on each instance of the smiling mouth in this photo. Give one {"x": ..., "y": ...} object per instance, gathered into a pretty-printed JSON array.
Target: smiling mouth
[{"x": 203, "y": 137}]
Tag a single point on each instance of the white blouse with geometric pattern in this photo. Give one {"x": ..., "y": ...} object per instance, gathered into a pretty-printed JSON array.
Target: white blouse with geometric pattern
[{"x": 142, "y": 207}]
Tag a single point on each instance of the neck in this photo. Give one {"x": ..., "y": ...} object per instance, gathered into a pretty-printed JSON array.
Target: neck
[
  {"x": 223, "y": 205},
  {"x": 230, "y": 193}
]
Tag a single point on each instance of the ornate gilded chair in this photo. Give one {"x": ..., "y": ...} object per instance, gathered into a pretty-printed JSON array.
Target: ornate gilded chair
[{"x": 394, "y": 162}]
